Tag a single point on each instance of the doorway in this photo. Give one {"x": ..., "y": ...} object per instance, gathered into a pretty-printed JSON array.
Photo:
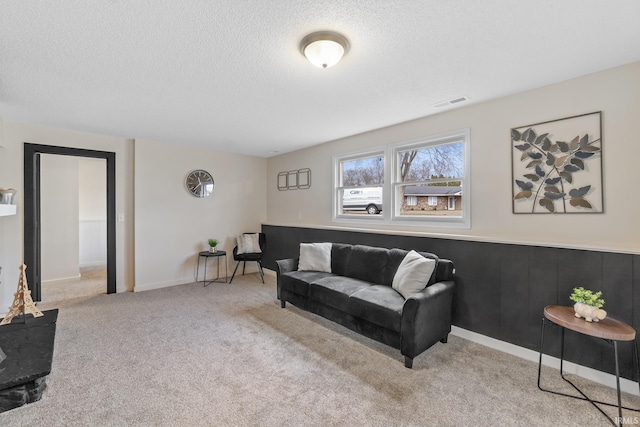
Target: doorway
[{"x": 32, "y": 212}]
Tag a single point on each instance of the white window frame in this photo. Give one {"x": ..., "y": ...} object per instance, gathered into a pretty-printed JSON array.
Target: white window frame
[
  {"x": 412, "y": 200},
  {"x": 462, "y": 135},
  {"x": 390, "y": 194},
  {"x": 432, "y": 200},
  {"x": 338, "y": 188}
]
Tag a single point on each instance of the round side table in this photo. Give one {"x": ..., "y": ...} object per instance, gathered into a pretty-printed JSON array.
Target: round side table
[
  {"x": 608, "y": 329},
  {"x": 217, "y": 255}
]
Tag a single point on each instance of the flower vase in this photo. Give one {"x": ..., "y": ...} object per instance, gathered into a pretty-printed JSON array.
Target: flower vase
[
  {"x": 212, "y": 249},
  {"x": 589, "y": 312}
]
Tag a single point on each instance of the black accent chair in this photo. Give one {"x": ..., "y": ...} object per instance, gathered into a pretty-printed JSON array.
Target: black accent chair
[{"x": 257, "y": 257}]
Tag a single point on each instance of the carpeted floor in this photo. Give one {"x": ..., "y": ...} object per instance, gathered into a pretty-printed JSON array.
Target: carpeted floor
[
  {"x": 92, "y": 282},
  {"x": 228, "y": 355}
]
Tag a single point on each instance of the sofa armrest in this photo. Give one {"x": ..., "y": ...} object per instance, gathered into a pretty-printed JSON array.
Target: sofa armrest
[
  {"x": 426, "y": 318},
  {"x": 445, "y": 270},
  {"x": 286, "y": 265}
]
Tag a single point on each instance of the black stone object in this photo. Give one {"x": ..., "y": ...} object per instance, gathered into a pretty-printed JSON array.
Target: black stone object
[{"x": 29, "y": 350}]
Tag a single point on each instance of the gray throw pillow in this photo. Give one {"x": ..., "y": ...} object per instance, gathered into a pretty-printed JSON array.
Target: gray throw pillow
[
  {"x": 248, "y": 243},
  {"x": 413, "y": 274},
  {"x": 315, "y": 257}
]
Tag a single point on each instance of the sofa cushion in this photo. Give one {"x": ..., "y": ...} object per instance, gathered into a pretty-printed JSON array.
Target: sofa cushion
[
  {"x": 334, "y": 291},
  {"x": 340, "y": 257},
  {"x": 379, "y": 304},
  {"x": 413, "y": 274},
  {"x": 298, "y": 281},
  {"x": 368, "y": 263},
  {"x": 315, "y": 257},
  {"x": 394, "y": 259}
]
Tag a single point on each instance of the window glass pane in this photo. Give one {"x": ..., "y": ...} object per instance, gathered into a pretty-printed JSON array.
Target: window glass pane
[
  {"x": 363, "y": 200},
  {"x": 437, "y": 173},
  {"x": 427, "y": 163},
  {"x": 438, "y": 199},
  {"x": 362, "y": 172},
  {"x": 362, "y": 181}
]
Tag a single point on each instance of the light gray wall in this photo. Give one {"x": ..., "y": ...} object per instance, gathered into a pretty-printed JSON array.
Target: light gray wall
[
  {"x": 59, "y": 203},
  {"x": 171, "y": 226},
  {"x": 11, "y": 248},
  {"x": 92, "y": 186},
  {"x": 73, "y": 203},
  {"x": 615, "y": 92}
]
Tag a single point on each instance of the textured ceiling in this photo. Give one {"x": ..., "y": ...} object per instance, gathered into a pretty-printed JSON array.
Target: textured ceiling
[{"x": 228, "y": 74}]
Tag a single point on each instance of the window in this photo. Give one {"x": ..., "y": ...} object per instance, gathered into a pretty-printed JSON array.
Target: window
[
  {"x": 422, "y": 182},
  {"x": 435, "y": 172},
  {"x": 359, "y": 190}
]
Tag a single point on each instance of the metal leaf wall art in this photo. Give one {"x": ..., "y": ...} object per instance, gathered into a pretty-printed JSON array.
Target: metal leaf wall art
[{"x": 557, "y": 166}]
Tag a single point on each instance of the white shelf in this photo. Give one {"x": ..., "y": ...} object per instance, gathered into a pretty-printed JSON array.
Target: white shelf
[{"x": 6, "y": 210}]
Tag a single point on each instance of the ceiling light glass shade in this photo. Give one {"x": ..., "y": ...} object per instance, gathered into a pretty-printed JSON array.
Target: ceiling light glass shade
[
  {"x": 324, "y": 49},
  {"x": 324, "y": 53}
]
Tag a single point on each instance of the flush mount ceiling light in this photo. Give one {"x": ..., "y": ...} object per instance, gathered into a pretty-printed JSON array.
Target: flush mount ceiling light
[{"x": 324, "y": 48}]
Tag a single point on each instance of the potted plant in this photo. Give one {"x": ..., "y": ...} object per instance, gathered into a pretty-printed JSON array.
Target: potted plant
[
  {"x": 212, "y": 245},
  {"x": 588, "y": 304}
]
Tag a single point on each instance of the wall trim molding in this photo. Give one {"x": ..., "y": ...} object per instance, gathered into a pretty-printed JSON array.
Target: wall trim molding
[
  {"x": 447, "y": 236},
  {"x": 609, "y": 380},
  {"x": 93, "y": 263}
]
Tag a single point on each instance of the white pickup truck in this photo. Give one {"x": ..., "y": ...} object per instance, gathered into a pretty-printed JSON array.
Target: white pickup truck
[{"x": 363, "y": 199}]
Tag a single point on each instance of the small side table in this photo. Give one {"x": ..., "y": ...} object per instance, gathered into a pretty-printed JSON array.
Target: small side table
[
  {"x": 217, "y": 255},
  {"x": 610, "y": 330}
]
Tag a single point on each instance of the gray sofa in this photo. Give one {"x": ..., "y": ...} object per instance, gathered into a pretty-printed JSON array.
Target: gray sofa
[{"x": 357, "y": 294}]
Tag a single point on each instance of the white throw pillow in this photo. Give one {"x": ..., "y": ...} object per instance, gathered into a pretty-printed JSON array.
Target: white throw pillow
[
  {"x": 315, "y": 257},
  {"x": 248, "y": 243},
  {"x": 413, "y": 274}
]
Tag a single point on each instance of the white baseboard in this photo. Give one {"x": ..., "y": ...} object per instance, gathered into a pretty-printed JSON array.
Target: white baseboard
[
  {"x": 160, "y": 285},
  {"x": 93, "y": 264},
  {"x": 600, "y": 377},
  {"x": 62, "y": 279}
]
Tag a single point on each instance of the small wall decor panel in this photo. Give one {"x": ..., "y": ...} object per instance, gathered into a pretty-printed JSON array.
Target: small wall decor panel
[{"x": 294, "y": 180}]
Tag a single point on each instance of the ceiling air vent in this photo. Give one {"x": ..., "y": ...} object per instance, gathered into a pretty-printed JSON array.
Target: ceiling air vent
[{"x": 450, "y": 102}]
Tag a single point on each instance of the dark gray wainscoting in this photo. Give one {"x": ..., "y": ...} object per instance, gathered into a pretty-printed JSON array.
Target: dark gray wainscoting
[{"x": 503, "y": 288}]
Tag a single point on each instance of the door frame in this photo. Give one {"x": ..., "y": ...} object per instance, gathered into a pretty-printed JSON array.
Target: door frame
[{"x": 32, "y": 231}]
